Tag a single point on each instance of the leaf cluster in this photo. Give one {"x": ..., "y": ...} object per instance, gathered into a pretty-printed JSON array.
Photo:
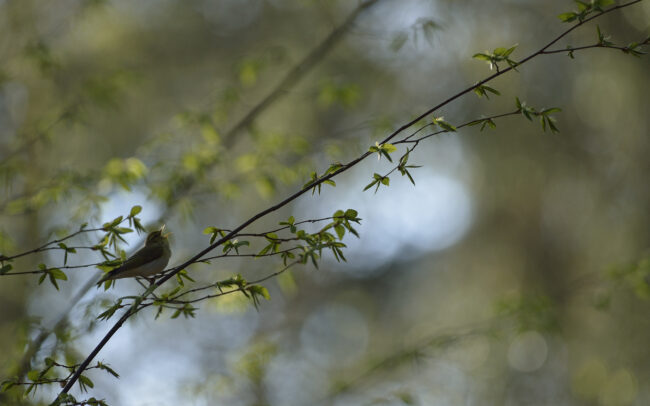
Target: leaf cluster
[
  {"x": 423, "y": 26},
  {"x": 496, "y": 56},
  {"x": 545, "y": 118},
  {"x": 584, "y": 9},
  {"x": 529, "y": 312},
  {"x": 54, "y": 372}
]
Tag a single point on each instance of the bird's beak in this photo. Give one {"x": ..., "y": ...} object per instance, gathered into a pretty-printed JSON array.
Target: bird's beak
[{"x": 162, "y": 232}]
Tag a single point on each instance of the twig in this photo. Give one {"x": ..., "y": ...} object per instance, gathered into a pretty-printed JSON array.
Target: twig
[{"x": 45, "y": 247}]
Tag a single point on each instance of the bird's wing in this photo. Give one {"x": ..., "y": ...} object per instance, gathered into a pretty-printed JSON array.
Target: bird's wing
[{"x": 136, "y": 260}]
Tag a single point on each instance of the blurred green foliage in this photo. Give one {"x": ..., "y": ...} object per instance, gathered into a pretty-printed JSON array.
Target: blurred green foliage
[{"x": 111, "y": 106}]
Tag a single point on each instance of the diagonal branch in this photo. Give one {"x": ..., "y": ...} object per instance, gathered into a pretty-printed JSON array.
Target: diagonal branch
[{"x": 298, "y": 71}]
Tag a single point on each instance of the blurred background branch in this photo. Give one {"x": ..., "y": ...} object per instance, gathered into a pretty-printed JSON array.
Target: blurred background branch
[{"x": 508, "y": 221}]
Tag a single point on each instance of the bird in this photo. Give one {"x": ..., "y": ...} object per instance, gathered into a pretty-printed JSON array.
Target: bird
[{"x": 147, "y": 261}]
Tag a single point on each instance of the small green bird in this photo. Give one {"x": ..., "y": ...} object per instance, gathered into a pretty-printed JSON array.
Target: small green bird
[{"x": 147, "y": 261}]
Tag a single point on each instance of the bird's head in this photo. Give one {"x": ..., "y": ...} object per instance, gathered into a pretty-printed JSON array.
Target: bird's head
[{"x": 157, "y": 237}]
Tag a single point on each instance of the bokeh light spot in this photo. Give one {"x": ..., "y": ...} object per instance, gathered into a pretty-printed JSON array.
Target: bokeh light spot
[
  {"x": 334, "y": 335},
  {"x": 527, "y": 352}
]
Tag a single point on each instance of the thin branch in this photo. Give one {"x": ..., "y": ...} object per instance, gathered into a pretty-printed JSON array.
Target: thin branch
[
  {"x": 580, "y": 48},
  {"x": 409, "y": 353},
  {"x": 237, "y": 255},
  {"x": 45, "y": 270},
  {"x": 407, "y": 140},
  {"x": 45, "y": 246},
  {"x": 35, "y": 345},
  {"x": 298, "y": 72},
  {"x": 501, "y": 72},
  {"x": 174, "y": 299},
  {"x": 256, "y": 282},
  {"x": 38, "y": 136},
  {"x": 311, "y": 221}
]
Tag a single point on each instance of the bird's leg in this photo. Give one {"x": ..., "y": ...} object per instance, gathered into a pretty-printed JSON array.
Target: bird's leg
[{"x": 140, "y": 282}]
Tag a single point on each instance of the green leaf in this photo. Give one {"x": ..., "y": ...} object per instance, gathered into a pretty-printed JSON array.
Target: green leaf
[
  {"x": 489, "y": 123},
  {"x": 216, "y": 232},
  {"x": 135, "y": 210},
  {"x": 408, "y": 174},
  {"x": 238, "y": 244},
  {"x": 500, "y": 51},
  {"x": 333, "y": 168},
  {"x": 482, "y": 57},
  {"x": 183, "y": 274},
  {"x": 429, "y": 28},
  {"x": 255, "y": 292},
  {"x": 383, "y": 149},
  {"x": 378, "y": 181},
  {"x": 34, "y": 375},
  {"x": 582, "y": 6},
  {"x": 510, "y": 50},
  {"x": 443, "y": 124},
  {"x": 108, "y": 313},
  {"x": 482, "y": 90},
  {"x": 340, "y": 231},
  {"x": 187, "y": 311},
  {"x": 5, "y": 269},
  {"x": 84, "y": 382},
  {"x": 603, "y": 3},
  {"x": 491, "y": 90},
  {"x": 262, "y": 291},
  {"x": 369, "y": 185},
  {"x": 58, "y": 274},
  {"x": 107, "y": 369},
  {"x": 113, "y": 223},
  {"x": 6, "y": 385},
  {"x": 264, "y": 250},
  {"x": 389, "y": 147},
  {"x": 398, "y": 41}
]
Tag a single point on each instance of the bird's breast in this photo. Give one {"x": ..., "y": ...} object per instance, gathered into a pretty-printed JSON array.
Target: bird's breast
[{"x": 154, "y": 266}]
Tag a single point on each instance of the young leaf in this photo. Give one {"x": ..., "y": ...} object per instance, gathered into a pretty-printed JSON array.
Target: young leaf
[
  {"x": 135, "y": 210},
  {"x": 482, "y": 90},
  {"x": 85, "y": 382},
  {"x": 5, "y": 269},
  {"x": 567, "y": 17}
]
